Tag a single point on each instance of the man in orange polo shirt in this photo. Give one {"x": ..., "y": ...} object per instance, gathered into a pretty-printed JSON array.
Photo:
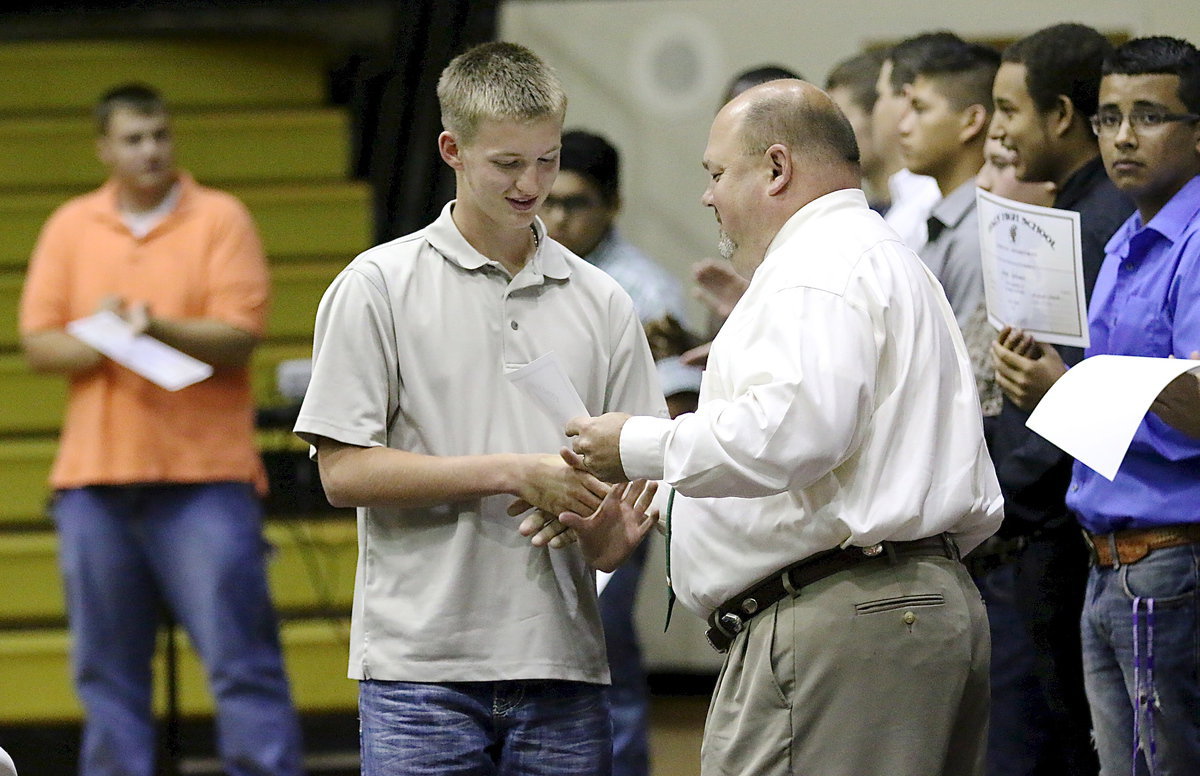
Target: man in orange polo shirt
[{"x": 157, "y": 492}]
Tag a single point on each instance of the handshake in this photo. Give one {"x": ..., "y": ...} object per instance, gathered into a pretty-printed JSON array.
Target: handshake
[{"x": 573, "y": 501}]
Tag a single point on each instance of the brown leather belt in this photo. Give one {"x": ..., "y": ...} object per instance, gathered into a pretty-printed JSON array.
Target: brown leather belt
[
  {"x": 730, "y": 618},
  {"x": 1115, "y": 549}
]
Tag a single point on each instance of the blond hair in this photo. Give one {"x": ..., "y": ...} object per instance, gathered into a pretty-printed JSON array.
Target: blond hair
[{"x": 497, "y": 81}]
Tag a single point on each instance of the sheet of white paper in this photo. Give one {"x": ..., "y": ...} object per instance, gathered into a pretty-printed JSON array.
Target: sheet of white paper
[
  {"x": 158, "y": 362},
  {"x": 1094, "y": 410},
  {"x": 545, "y": 381},
  {"x": 1033, "y": 269},
  {"x": 602, "y": 578}
]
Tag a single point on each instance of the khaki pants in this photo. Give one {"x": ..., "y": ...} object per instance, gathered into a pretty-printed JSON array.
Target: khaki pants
[{"x": 881, "y": 670}]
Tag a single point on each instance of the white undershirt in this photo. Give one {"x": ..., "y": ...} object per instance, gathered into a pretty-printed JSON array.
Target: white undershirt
[{"x": 141, "y": 224}]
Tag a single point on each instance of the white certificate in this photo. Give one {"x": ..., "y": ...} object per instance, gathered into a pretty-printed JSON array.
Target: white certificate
[
  {"x": 1033, "y": 269},
  {"x": 1093, "y": 411},
  {"x": 545, "y": 381},
  {"x": 154, "y": 360}
]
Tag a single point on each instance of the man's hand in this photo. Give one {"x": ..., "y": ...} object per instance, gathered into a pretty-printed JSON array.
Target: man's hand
[
  {"x": 597, "y": 443},
  {"x": 135, "y": 314},
  {"x": 718, "y": 286},
  {"x": 1179, "y": 403},
  {"x": 1025, "y": 369},
  {"x": 546, "y": 530},
  {"x": 612, "y": 532},
  {"x": 697, "y": 356},
  {"x": 668, "y": 337},
  {"x": 552, "y": 486}
]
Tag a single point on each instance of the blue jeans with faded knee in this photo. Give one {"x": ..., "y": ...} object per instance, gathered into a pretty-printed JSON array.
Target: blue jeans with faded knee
[
  {"x": 129, "y": 552},
  {"x": 1141, "y": 661},
  {"x": 510, "y": 728}
]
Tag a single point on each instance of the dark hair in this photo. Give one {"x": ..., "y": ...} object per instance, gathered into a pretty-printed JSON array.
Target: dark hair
[
  {"x": 1160, "y": 55},
  {"x": 748, "y": 79},
  {"x": 594, "y": 158},
  {"x": 858, "y": 75},
  {"x": 136, "y": 97},
  {"x": 906, "y": 55},
  {"x": 967, "y": 71},
  {"x": 1064, "y": 59}
]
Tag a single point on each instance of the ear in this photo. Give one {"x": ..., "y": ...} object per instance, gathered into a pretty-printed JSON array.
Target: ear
[
  {"x": 1062, "y": 115},
  {"x": 974, "y": 124},
  {"x": 450, "y": 151},
  {"x": 779, "y": 164}
]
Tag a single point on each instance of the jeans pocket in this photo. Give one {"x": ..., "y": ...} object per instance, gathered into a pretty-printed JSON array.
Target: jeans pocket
[{"x": 1169, "y": 576}]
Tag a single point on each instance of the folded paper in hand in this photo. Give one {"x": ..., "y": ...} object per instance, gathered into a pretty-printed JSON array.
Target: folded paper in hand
[{"x": 154, "y": 360}]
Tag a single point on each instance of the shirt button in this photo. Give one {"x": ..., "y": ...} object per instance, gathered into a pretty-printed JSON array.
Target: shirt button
[
  {"x": 1129, "y": 266},
  {"x": 515, "y": 326}
]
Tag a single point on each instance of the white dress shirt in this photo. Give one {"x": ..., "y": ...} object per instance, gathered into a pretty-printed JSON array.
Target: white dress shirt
[
  {"x": 838, "y": 408},
  {"x": 913, "y": 198}
]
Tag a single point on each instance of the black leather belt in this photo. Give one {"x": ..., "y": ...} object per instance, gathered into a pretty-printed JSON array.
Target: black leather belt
[{"x": 730, "y": 618}]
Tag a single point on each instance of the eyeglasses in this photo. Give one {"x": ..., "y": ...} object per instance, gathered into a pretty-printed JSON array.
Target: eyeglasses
[{"x": 1109, "y": 122}]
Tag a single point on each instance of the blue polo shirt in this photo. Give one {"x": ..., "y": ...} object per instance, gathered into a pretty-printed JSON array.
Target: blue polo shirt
[{"x": 1147, "y": 303}]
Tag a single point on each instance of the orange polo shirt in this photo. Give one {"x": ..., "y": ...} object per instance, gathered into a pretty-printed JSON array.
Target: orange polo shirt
[{"x": 204, "y": 260}]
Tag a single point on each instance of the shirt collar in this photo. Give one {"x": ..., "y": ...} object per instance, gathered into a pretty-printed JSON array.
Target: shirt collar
[
  {"x": 106, "y": 206},
  {"x": 955, "y": 206},
  {"x": 444, "y": 236},
  {"x": 1178, "y": 213},
  {"x": 817, "y": 210},
  {"x": 1171, "y": 222}
]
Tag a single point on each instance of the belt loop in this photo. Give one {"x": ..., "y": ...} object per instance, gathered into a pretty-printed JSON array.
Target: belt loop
[
  {"x": 786, "y": 579},
  {"x": 950, "y": 546},
  {"x": 891, "y": 552},
  {"x": 1116, "y": 555},
  {"x": 1093, "y": 556}
]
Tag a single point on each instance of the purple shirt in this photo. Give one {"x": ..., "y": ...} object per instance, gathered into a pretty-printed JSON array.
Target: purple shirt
[{"x": 1147, "y": 303}]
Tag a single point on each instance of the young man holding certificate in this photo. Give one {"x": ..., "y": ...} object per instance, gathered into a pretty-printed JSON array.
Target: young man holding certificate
[
  {"x": 1045, "y": 91},
  {"x": 1142, "y": 609}
]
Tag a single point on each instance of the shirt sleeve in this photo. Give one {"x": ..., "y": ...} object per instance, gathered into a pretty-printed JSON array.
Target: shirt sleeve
[
  {"x": 239, "y": 282},
  {"x": 355, "y": 369},
  {"x": 801, "y": 388},
  {"x": 45, "y": 304}
]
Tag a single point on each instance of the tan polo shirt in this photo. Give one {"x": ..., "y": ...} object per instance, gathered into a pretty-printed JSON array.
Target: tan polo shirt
[{"x": 413, "y": 341}]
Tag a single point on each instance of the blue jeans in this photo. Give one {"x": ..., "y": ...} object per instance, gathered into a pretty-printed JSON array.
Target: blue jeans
[
  {"x": 1166, "y": 587},
  {"x": 513, "y": 728},
  {"x": 629, "y": 696},
  {"x": 129, "y": 551}
]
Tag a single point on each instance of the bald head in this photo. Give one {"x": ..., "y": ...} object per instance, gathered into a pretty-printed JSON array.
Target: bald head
[
  {"x": 772, "y": 150},
  {"x": 798, "y": 115}
]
